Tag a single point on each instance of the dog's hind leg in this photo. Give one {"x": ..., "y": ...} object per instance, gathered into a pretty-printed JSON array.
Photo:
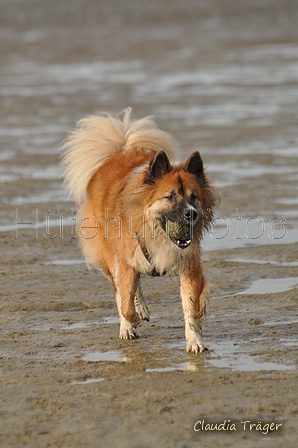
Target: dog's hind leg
[
  {"x": 141, "y": 303},
  {"x": 193, "y": 304},
  {"x": 125, "y": 284}
]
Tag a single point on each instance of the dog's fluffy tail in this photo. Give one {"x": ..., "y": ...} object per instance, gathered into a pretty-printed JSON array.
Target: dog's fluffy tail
[{"x": 97, "y": 137}]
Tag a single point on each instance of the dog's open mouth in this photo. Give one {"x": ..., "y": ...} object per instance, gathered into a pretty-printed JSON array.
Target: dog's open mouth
[{"x": 182, "y": 243}]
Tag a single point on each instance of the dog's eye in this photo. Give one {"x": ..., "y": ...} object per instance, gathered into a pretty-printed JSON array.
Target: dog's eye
[
  {"x": 169, "y": 197},
  {"x": 193, "y": 197}
]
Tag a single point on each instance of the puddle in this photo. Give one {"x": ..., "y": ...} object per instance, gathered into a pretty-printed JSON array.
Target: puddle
[
  {"x": 288, "y": 343},
  {"x": 286, "y": 321},
  {"x": 233, "y": 233},
  {"x": 65, "y": 262},
  {"x": 106, "y": 320},
  {"x": 271, "y": 286},
  {"x": 7, "y": 177},
  {"x": 189, "y": 366},
  {"x": 289, "y": 214},
  {"x": 110, "y": 320},
  {"x": 47, "y": 225},
  {"x": 257, "y": 147},
  {"x": 182, "y": 366},
  {"x": 275, "y": 263},
  {"x": 53, "y": 195},
  {"x": 111, "y": 355},
  {"x": 245, "y": 363},
  {"x": 48, "y": 172},
  {"x": 7, "y": 155},
  {"x": 115, "y": 356},
  {"x": 223, "y": 355},
  {"x": 177, "y": 344},
  {"x": 89, "y": 381},
  {"x": 288, "y": 201},
  {"x": 41, "y": 327},
  {"x": 78, "y": 325},
  {"x": 59, "y": 327},
  {"x": 232, "y": 173},
  {"x": 229, "y": 358},
  {"x": 74, "y": 326},
  {"x": 227, "y": 355}
]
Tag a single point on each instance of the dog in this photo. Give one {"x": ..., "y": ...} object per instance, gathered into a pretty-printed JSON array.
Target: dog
[{"x": 127, "y": 190}]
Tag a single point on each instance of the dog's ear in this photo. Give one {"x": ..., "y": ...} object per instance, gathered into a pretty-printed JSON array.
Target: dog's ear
[
  {"x": 159, "y": 166},
  {"x": 194, "y": 165}
]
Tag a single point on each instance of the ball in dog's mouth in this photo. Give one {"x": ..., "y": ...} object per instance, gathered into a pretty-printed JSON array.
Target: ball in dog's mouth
[{"x": 178, "y": 233}]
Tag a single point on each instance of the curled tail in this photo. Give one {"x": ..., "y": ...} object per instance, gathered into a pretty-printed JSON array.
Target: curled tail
[{"x": 97, "y": 137}]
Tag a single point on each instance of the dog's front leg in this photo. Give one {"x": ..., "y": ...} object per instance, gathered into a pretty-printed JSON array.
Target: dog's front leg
[
  {"x": 125, "y": 288},
  {"x": 191, "y": 290},
  {"x": 141, "y": 303}
]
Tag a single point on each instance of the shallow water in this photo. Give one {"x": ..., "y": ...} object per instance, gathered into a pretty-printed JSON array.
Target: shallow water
[
  {"x": 49, "y": 226},
  {"x": 88, "y": 381},
  {"x": 110, "y": 320},
  {"x": 223, "y": 355},
  {"x": 230, "y": 357},
  {"x": 276, "y": 263},
  {"x": 286, "y": 321},
  {"x": 78, "y": 325},
  {"x": 271, "y": 286},
  {"x": 50, "y": 172},
  {"x": 110, "y": 355},
  {"x": 233, "y": 233},
  {"x": 182, "y": 367},
  {"x": 65, "y": 262},
  {"x": 55, "y": 194}
]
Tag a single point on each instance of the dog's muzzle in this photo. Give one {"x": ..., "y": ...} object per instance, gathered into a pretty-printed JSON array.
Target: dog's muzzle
[{"x": 181, "y": 231}]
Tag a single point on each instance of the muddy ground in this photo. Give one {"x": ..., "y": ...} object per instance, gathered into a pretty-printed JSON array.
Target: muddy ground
[{"x": 223, "y": 79}]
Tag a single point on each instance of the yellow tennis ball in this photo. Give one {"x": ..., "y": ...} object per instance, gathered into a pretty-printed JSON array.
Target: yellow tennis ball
[{"x": 176, "y": 230}]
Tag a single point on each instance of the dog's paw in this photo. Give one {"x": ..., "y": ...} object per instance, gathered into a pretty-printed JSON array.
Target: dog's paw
[
  {"x": 143, "y": 311},
  {"x": 127, "y": 329},
  {"x": 141, "y": 305},
  {"x": 195, "y": 347},
  {"x": 128, "y": 333},
  {"x": 194, "y": 343}
]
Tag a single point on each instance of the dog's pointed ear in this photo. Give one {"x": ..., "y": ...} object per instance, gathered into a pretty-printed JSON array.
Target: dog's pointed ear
[
  {"x": 159, "y": 166},
  {"x": 194, "y": 165}
]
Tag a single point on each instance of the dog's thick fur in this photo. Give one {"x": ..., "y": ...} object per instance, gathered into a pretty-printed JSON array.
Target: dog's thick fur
[{"x": 119, "y": 174}]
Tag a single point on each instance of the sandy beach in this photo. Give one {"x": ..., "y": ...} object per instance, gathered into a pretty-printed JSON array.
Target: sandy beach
[{"x": 222, "y": 77}]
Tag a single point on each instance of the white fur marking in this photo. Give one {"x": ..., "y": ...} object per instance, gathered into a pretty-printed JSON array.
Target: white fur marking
[
  {"x": 127, "y": 329},
  {"x": 194, "y": 341}
]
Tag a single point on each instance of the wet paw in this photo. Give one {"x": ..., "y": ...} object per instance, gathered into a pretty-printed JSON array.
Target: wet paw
[
  {"x": 194, "y": 343},
  {"x": 195, "y": 347},
  {"x": 143, "y": 312},
  {"x": 128, "y": 333}
]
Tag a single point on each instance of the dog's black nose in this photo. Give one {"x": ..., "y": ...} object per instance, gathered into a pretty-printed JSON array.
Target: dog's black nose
[{"x": 191, "y": 215}]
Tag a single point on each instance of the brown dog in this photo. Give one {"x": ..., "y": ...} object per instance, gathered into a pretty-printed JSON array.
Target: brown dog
[{"x": 128, "y": 192}]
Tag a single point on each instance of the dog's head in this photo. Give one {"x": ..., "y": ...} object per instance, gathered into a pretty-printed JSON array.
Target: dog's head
[{"x": 182, "y": 200}]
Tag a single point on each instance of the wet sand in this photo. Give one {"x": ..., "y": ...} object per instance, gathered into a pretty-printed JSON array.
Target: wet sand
[{"x": 222, "y": 78}]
